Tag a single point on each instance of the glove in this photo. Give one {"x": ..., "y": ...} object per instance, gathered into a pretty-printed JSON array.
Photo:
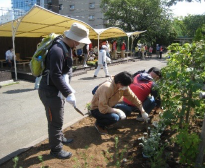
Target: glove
[
  {"x": 145, "y": 116},
  {"x": 71, "y": 99},
  {"x": 121, "y": 114}
]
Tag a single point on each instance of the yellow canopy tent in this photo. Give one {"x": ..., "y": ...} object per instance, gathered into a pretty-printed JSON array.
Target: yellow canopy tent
[
  {"x": 39, "y": 22},
  {"x": 114, "y": 32},
  {"x": 111, "y": 32}
]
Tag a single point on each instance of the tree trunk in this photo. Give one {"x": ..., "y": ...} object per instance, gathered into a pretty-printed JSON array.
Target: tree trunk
[
  {"x": 189, "y": 106},
  {"x": 200, "y": 155}
]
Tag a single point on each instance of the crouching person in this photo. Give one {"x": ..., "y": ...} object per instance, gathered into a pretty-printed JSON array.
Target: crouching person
[
  {"x": 104, "y": 103},
  {"x": 145, "y": 88}
]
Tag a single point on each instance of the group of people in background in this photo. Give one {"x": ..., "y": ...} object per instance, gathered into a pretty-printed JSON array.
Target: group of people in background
[
  {"x": 89, "y": 53},
  {"x": 142, "y": 50}
]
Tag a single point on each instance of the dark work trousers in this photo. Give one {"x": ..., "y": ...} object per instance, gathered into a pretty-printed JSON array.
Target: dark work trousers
[
  {"x": 54, "y": 107},
  {"x": 104, "y": 120},
  {"x": 10, "y": 63},
  {"x": 160, "y": 54},
  {"x": 107, "y": 119}
]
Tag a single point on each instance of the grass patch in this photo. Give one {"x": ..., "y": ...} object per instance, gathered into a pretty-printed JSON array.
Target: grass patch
[{"x": 13, "y": 83}]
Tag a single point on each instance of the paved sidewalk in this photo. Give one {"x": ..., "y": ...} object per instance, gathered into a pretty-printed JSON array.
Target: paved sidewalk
[{"x": 23, "y": 122}]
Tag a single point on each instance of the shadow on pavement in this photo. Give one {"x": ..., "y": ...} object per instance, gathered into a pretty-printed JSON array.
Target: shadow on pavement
[
  {"x": 18, "y": 91},
  {"x": 90, "y": 78}
]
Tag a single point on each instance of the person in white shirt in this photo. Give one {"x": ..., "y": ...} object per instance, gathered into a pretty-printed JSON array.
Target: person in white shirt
[
  {"x": 9, "y": 56},
  {"x": 86, "y": 55},
  {"x": 102, "y": 62},
  {"x": 108, "y": 49}
]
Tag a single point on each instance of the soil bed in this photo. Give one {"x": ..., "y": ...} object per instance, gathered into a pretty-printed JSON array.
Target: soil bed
[{"x": 90, "y": 149}]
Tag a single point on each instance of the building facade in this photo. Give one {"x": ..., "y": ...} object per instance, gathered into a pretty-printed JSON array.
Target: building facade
[
  {"x": 52, "y": 5},
  {"x": 88, "y": 11}
]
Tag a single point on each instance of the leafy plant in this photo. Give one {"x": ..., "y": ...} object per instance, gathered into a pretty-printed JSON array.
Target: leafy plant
[
  {"x": 118, "y": 155},
  {"x": 42, "y": 161},
  {"x": 74, "y": 68},
  {"x": 189, "y": 143},
  {"x": 183, "y": 78},
  {"x": 88, "y": 106},
  {"x": 150, "y": 145},
  {"x": 158, "y": 160},
  {"x": 15, "y": 160},
  {"x": 86, "y": 160}
]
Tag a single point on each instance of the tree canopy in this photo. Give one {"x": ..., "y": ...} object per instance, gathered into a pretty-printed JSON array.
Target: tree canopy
[
  {"x": 174, "y": 2},
  {"x": 187, "y": 26},
  {"x": 137, "y": 15}
]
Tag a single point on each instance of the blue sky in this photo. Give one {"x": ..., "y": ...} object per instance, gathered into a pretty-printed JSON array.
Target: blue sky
[{"x": 181, "y": 9}]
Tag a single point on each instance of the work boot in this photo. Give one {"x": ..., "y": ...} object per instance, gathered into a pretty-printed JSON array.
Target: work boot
[
  {"x": 66, "y": 141},
  {"x": 101, "y": 130},
  {"x": 139, "y": 118},
  {"x": 61, "y": 155}
]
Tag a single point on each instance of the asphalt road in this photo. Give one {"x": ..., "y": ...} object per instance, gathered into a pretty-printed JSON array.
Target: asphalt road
[{"x": 23, "y": 122}]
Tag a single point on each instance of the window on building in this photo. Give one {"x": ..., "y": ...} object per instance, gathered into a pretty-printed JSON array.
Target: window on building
[
  {"x": 91, "y": 17},
  {"x": 92, "y": 5},
  {"x": 60, "y": 6},
  {"x": 49, "y": 5},
  {"x": 72, "y": 7}
]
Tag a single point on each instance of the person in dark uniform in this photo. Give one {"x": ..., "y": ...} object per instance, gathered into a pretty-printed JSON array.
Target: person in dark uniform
[{"x": 58, "y": 64}]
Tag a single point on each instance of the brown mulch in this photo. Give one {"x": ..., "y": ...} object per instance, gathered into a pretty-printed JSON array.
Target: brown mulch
[{"x": 92, "y": 150}]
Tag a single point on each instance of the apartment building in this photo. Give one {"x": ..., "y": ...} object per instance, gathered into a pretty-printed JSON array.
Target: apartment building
[{"x": 88, "y": 11}]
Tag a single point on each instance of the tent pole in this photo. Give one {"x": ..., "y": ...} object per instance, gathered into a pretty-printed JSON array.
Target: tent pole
[
  {"x": 128, "y": 43},
  {"x": 14, "y": 29},
  {"x": 128, "y": 48},
  {"x": 98, "y": 43},
  {"x": 132, "y": 46}
]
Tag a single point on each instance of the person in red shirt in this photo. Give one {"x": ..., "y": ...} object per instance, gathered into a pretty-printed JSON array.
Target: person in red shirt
[
  {"x": 150, "y": 51},
  {"x": 90, "y": 46},
  {"x": 114, "y": 50},
  {"x": 123, "y": 48},
  {"x": 160, "y": 52},
  {"x": 143, "y": 86}
]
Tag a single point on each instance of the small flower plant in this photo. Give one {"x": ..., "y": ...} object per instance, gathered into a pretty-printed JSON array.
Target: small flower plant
[{"x": 151, "y": 142}]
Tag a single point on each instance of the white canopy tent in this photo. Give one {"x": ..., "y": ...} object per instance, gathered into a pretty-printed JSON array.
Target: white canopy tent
[{"x": 133, "y": 35}]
